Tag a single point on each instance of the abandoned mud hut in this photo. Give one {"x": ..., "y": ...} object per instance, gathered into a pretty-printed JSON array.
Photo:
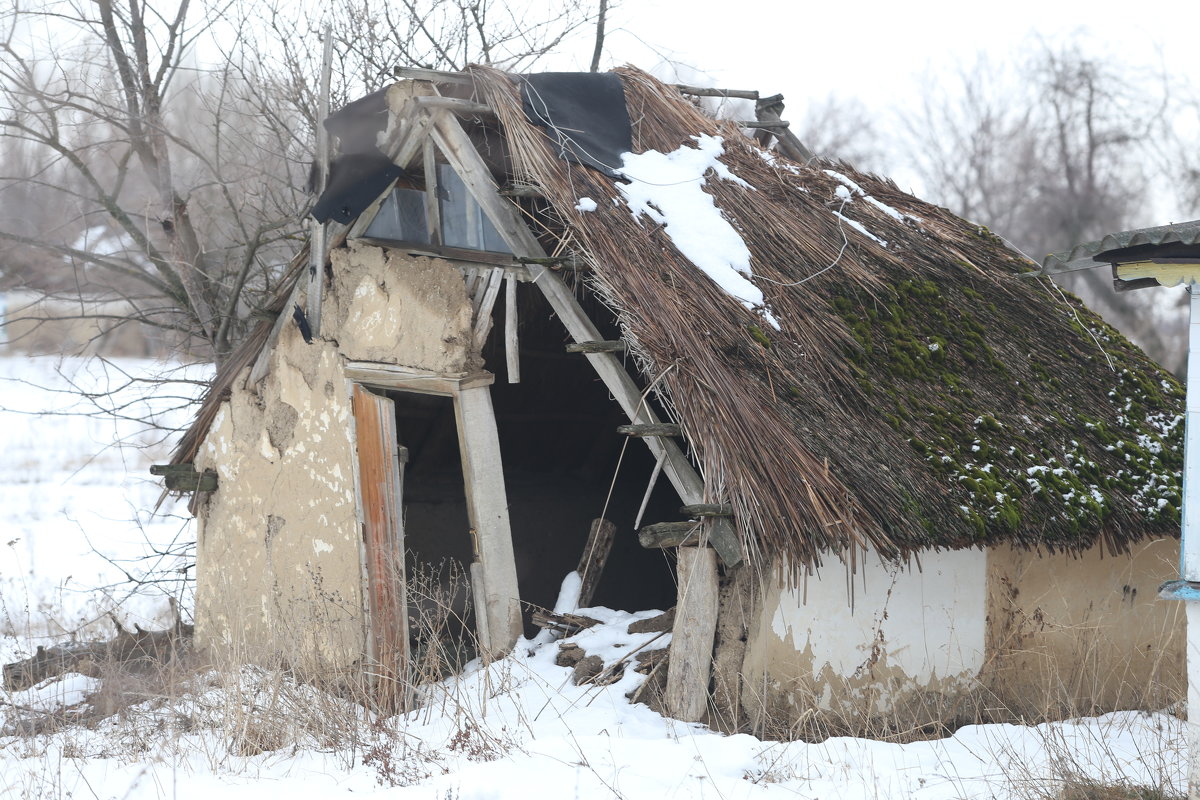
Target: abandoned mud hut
[{"x": 888, "y": 477}]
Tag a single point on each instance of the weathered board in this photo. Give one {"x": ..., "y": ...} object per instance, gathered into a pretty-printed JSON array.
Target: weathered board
[{"x": 381, "y": 476}]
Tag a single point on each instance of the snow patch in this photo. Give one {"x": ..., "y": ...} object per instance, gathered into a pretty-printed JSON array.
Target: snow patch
[{"x": 669, "y": 189}]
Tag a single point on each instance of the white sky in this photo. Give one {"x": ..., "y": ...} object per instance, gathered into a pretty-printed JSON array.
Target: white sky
[{"x": 879, "y": 51}]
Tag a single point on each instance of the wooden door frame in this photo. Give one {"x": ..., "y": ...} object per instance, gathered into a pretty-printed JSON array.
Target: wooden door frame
[{"x": 493, "y": 571}]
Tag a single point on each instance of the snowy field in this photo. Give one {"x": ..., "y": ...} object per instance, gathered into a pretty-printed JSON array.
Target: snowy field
[{"x": 75, "y": 499}]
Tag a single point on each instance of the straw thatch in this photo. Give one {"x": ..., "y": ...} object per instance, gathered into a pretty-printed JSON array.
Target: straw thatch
[{"x": 918, "y": 395}]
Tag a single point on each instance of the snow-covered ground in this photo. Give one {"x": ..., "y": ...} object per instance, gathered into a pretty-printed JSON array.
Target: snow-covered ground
[
  {"x": 74, "y": 516},
  {"x": 75, "y": 492}
]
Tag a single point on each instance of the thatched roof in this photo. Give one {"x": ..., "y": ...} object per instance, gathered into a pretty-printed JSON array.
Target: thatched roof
[{"x": 917, "y": 394}]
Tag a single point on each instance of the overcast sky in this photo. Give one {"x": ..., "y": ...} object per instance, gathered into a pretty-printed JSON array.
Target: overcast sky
[{"x": 878, "y": 51}]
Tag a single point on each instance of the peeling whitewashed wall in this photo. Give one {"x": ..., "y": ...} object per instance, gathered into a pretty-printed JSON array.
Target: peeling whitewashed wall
[
  {"x": 889, "y": 641},
  {"x": 1003, "y": 633},
  {"x": 279, "y": 562}
]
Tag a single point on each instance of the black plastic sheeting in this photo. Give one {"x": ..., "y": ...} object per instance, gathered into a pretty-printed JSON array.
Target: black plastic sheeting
[
  {"x": 584, "y": 113},
  {"x": 362, "y": 172},
  {"x": 355, "y": 181}
]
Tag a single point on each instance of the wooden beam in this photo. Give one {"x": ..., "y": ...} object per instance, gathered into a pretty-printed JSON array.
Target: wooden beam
[
  {"x": 316, "y": 251},
  {"x": 433, "y": 207},
  {"x": 700, "y": 91},
  {"x": 487, "y": 511},
  {"x": 669, "y": 534},
  {"x": 768, "y": 110},
  {"x": 595, "y": 556},
  {"x": 457, "y": 147},
  {"x": 615, "y": 346},
  {"x": 387, "y": 376},
  {"x": 455, "y": 106},
  {"x": 185, "y": 478},
  {"x": 515, "y": 189},
  {"x": 437, "y": 76},
  {"x": 692, "y": 636},
  {"x": 483, "y": 316},
  {"x": 512, "y": 349},
  {"x": 770, "y": 126},
  {"x": 657, "y": 429},
  {"x": 708, "y": 510}
]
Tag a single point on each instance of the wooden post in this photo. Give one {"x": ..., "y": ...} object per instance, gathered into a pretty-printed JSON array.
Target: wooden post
[
  {"x": 595, "y": 554},
  {"x": 487, "y": 510},
  {"x": 512, "y": 350},
  {"x": 690, "y": 664},
  {"x": 316, "y": 266}
]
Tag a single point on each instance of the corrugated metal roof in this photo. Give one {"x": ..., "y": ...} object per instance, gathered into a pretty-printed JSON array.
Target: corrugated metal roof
[{"x": 1082, "y": 256}]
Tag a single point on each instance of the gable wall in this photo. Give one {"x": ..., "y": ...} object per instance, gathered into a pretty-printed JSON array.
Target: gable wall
[{"x": 279, "y": 551}]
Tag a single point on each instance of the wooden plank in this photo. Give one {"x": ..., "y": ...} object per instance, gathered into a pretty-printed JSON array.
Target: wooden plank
[
  {"x": 435, "y": 75},
  {"x": 316, "y": 277},
  {"x": 262, "y": 364},
  {"x": 455, "y": 105},
  {"x": 512, "y": 348},
  {"x": 611, "y": 346},
  {"x": 316, "y": 252},
  {"x": 404, "y": 379},
  {"x": 483, "y": 316},
  {"x": 708, "y": 510},
  {"x": 381, "y": 478},
  {"x": 693, "y": 634},
  {"x": 335, "y": 235},
  {"x": 701, "y": 91},
  {"x": 669, "y": 534},
  {"x": 461, "y": 154},
  {"x": 595, "y": 556},
  {"x": 487, "y": 510},
  {"x": 655, "y": 429},
  {"x": 433, "y": 207}
]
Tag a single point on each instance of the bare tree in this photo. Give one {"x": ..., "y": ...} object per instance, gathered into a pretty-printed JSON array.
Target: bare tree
[{"x": 189, "y": 173}]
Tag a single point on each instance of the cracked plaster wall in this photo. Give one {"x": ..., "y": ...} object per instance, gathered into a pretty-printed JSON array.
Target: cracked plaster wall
[
  {"x": 900, "y": 644},
  {"x": 279, "y": 563}
]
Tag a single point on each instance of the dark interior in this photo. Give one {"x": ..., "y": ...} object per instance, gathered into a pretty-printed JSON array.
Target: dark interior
[{"x": 560, "y": 448}]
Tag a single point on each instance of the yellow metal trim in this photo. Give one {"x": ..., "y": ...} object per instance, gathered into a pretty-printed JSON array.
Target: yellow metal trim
[{"x": 1165, "y": 274}]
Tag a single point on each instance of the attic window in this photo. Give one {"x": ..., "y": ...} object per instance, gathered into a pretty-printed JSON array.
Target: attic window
[
  {"x": 404, "y": 217},
  {"x": 401, "y": 218},
  {"x": 463, "y": 222}
]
